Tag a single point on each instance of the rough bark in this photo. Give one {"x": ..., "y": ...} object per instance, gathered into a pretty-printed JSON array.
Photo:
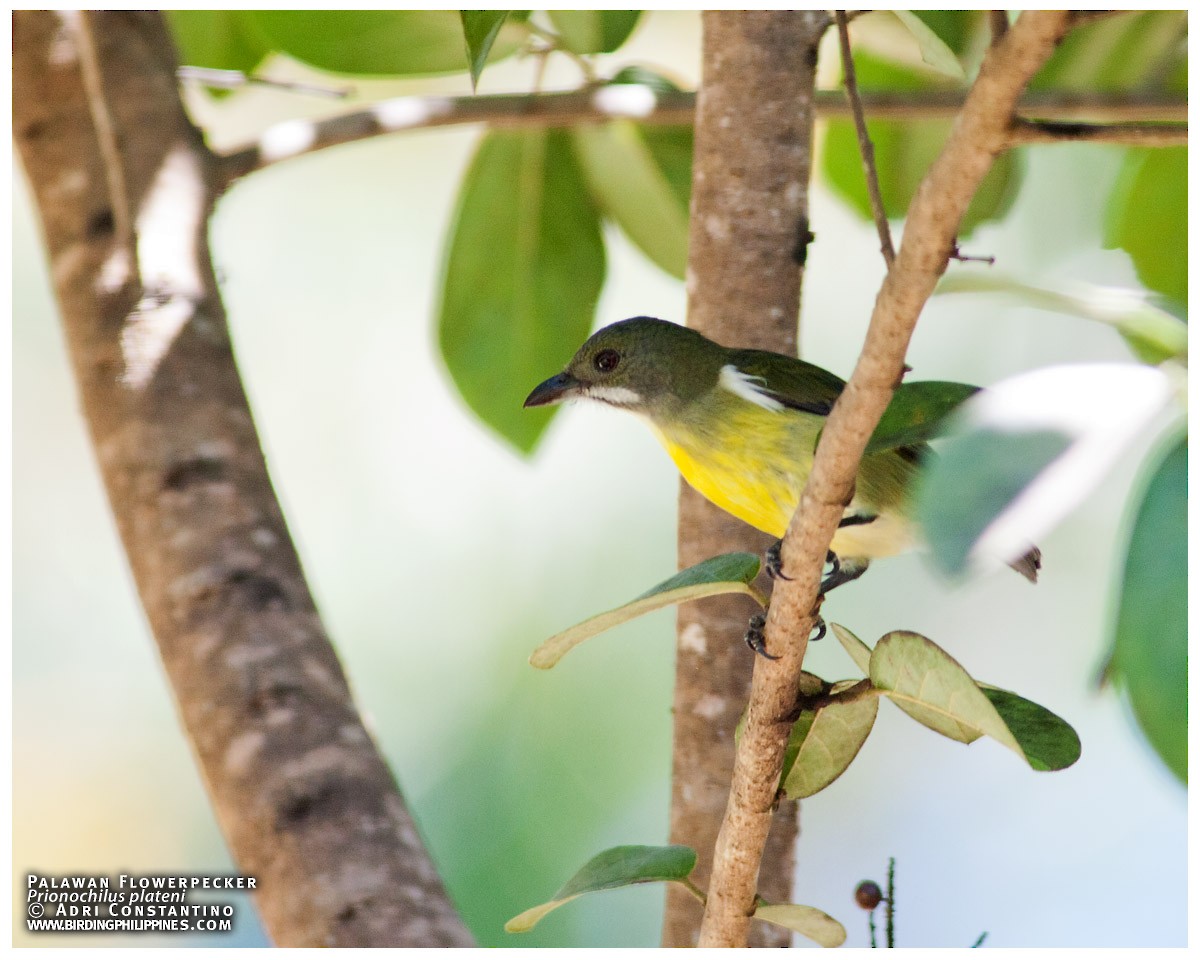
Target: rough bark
[
  {"x": 749, "y": 224},
  {"x": 124, "y": 186},
  {"x": 981, "y": 132}
]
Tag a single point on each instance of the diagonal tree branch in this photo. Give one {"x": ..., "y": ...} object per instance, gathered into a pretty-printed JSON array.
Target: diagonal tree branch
[
  {"x": 299, "y": 788},
  {"x": 980, "y": 133}
]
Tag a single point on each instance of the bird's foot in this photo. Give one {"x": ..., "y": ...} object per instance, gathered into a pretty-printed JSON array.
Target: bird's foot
[
  {"x": 818, "y": 629},
  {"x": 774, "y": 561},
  {"x": 756, "y": 639}
]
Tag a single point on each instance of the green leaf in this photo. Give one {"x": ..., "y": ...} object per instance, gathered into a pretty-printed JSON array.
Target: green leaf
[
  {"x": 219, "y": 39},
  {"x": 825, "y": 743},
  {"x": 1147, "y": 218},
  {"x": 647, "y": 78},
  {"x": 594, "y": 31},
  {"x": 815, "y": 924},
  {"x": 1153, "y": 334},
  {"x": 523, "y": 274},
  {"x": 1116, "y": 53},
  {"x": 1150, "y": 649},
  {"x": 1047, "y": 740},
  {"x": 480, "y": 29},
  {"x": 904, "y": 152},
  {"x": 970, "y": 483},
  {"x": 917, "y": 412},
  {"x": 635, "y": 189},
  {"x": 934, "y": 689},
  {"x": 933, "y": 49},
  {"x": 727, "y": 573},
  {"x": 375, "y": 42},
  {"x": 616, "y": 867}
]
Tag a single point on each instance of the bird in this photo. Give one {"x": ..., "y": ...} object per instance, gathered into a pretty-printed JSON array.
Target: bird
[{"x": 742, "y": 427}]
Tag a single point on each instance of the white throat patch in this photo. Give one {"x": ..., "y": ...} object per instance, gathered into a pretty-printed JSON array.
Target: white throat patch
[
  {"x": 617, "y": 396},
  {"x": 748, "y": 387}
]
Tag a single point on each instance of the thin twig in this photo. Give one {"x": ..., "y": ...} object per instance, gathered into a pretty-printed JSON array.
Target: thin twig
[
  {"x": 597, "y": 105},
  {"x": 106, "y": 133},
  {"x": 889, "y": 911},
  {"x": 1028, "y": 132},
  {"x": 865, "y": 147}
]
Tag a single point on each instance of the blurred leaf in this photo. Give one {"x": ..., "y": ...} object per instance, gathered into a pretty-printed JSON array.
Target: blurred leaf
[
  {"x": 1153, "y": 334},
  {"x": 1150, "y": 650},
  {"x": 523, "y": 274},
  {"x": 826, "y": 742},
  {"x": 955, "y": 28},
  {"x": 1115, "y": 53},
  {"x": 1048, "y": 741},
  {"x": 971, "y": 482},
  {"x": 219, "y": 39},
  {"x": 375, "y": 42},
  {"x": 903, "y": 154},
  {"x": 933, "y": 49},
  {"x": 917, "y": 412},
  {"x": 647, "y": 78},
  {"x": 594, "y": 31},
  {"x": 480, "y": 29},
  {"x": 616, "y": 867},
  {"x": 935, "y": 690},
  {"x": 727, "y": 573},
  {"x": 815, "y": 924},
  {"x": 1147, "y": 218},
  {"x": 635, "y": 190}
]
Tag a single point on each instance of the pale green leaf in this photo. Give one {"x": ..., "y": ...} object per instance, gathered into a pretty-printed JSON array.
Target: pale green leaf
[
  {"x": 612, "y": 868},
  {"x": 1153, "y": 334},
  {"x": 935, "y": 690},
  {"x": 934, "y": 51},
  {"x": 727, "y": 573},
  {"x": 829, "y": 740},
  {"x": 810, "y": 922},
  {"x": 633, "y": 189},
  {"x": 523, "y": 274}
]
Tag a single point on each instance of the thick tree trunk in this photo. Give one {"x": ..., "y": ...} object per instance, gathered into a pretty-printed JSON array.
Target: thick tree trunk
[
  {"x": 749, "y": 230},
  {"x": 124, "y": 186}
]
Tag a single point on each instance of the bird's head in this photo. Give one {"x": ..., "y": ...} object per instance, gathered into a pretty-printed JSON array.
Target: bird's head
[{"x": 644, "y": 365}]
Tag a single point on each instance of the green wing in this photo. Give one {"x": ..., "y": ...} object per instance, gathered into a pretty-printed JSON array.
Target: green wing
[{"x": 792, "y": 382}]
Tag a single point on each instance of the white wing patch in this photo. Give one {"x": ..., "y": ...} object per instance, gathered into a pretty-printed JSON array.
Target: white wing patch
[{"x": 748, "y": 387}]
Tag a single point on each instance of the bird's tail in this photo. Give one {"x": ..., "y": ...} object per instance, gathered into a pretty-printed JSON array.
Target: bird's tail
[{"x": 1029, "y": 565}]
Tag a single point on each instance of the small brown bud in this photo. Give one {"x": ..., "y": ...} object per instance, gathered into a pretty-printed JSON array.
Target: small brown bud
[{"x": 868, "y": 895}]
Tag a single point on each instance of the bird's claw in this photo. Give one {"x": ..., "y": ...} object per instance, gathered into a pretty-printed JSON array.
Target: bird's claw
[
  {"x": 756, "y": 638},
  {"x": 819, "y": 629},
  {"x": 774, "y": 561}
]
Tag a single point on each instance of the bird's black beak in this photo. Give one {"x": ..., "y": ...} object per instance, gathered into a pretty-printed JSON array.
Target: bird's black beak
[{"x": 558, "y": 387}]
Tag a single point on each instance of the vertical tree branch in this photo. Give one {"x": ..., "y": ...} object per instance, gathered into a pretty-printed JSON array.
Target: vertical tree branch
[
  {"x": 979, "y": 134},
  {"x": 865, "y": 147},
  {"x": 748, "y": 240},
  {"x": 300, "y": 790}
]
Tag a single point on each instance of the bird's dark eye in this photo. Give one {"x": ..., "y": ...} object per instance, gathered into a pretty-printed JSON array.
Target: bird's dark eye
[{"x": 606, "y": 361}]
